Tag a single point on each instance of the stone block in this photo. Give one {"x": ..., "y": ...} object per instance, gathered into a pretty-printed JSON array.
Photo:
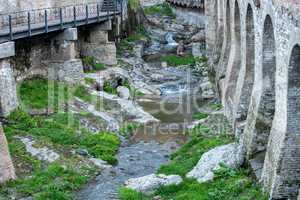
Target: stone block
[
  {"x": 63, "y": 50},
  {"x": 105, "y": 53},
  {"x": 69, "y": 34},
  {"x": 106, "y": 26},
  {"x": 7, "y": 50},
  {"x": 69, "y": 71},
  {"x": 98, "y": 36},
  {"x": 8, "y": 91}
]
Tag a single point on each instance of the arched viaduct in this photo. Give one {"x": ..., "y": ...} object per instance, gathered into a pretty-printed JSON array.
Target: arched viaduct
[{"x": 254, "y": 49}]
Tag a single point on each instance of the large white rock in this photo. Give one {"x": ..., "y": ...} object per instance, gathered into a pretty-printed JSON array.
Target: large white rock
[
  {"x": 149, "y": 183},
  {"x": 123, "y": 92},
  {"x": 210, "y": 161}
]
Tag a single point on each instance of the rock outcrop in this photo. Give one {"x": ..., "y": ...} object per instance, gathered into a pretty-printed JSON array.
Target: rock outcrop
[
  {"x": 229, "y": 155},
  {"x": 149, "y": 183}
]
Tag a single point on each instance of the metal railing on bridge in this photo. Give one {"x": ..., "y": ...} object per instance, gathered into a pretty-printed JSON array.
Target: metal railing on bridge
[
  {"x": 189, "y": 3},
  {"x": 34, "y": 22}
]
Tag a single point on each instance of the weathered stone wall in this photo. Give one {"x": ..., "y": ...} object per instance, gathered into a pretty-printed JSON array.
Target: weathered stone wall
[
  {"x": 257, "y": 73},
  {"x": 7, "y": 6}
]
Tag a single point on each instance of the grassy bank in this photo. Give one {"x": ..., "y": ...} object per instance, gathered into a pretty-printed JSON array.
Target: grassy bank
[
  {"x": 227, "y": 184},
  {"x": 60, "y": 131}
]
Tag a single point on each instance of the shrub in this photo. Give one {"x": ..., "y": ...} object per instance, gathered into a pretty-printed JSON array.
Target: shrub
[
  {"x": 93, "y": 64},
  {"x": 128, "y": 129}
]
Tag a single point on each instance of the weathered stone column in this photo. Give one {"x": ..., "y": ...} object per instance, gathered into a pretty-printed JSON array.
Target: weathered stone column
[
  {"x": 64, "y": 64},
  {"x": 7, "y": 170},
  {"x": 8, "y": 91},
  {"x": 98, "y": 46}
]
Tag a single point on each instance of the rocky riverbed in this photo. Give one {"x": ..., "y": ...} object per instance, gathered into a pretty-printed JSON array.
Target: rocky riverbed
[{"x": 164, "y": 112}]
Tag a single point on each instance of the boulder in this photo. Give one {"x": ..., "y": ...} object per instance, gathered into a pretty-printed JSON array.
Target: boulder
[
  {"x": 147, "y": 184},
  {"x": 207, "y": 91},
  {"x": 101, "y": 164},
  {"x": 123, "y": 92},
  {"x": 230, "y": 155},
  {"x": 199, "y": 37}
]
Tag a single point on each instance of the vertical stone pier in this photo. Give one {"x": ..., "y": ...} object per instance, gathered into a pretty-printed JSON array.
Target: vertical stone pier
[
  {"x": 8, "y": 91},
  {"x": 7, "y": 170},
  {"x": 96, "y": 44},
  {"x": 64, "y": 64}
]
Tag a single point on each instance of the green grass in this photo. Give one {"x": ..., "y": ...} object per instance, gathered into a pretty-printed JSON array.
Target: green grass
[
  {"x": 200, "y": 116},
  {"x": 128, "y": 194},
  {"x": 227, "y": 184},
  {"x": 89, "y": 81},
  {"x": 216, "y": 106},
  {"x": 39, "y": 93},
  {"x": 82, "y": 93},
  {"x": 55, "y": 182},
  {"x": 189, "y": 154},
  {"x": 104, "y": 146},
  {"x": 128, "y": 129},
  {"x": 93, "y": 64},
  {"x": 163, "y": 9},
  {"x": 64, "y": 129},
  {"x": 175, "y": 60}
]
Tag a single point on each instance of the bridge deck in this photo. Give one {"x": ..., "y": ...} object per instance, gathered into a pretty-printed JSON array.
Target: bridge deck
[{"x": 30, "y": 23}]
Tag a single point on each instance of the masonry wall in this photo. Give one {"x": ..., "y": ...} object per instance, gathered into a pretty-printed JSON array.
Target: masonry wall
[{"x": 255, "y": 74}]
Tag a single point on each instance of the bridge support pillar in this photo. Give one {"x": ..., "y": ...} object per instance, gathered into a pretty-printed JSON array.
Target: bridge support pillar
[
  {"x": 98, "y": 46},
  {"x": 64, "y": 64},
  {"x": 8, "y": 91}
]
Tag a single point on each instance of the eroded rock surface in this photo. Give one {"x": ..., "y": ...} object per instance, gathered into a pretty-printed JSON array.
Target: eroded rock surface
[
  {"x": 149, "y": 183},
  {"x": 229, "y": 155}
]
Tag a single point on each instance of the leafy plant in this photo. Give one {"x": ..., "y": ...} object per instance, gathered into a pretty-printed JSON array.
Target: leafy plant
[
  {"x": 128, "y": 129},
  {"x": 107, "y": 87}
]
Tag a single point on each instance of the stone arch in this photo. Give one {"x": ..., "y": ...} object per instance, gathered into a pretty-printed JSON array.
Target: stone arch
[
  {"x": 289, "y": 167},
  {"x": 227, "y": 36},
  {"x": 220, "y": 31},
  {"x": 250, "y": 65},
  {"x": 265, "y": 115},
  {"x": 234, "y": 72}
]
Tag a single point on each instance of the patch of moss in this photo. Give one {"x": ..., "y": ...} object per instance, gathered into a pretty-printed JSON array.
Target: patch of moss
[
  {"x": 200, "y": 116},
  {"x": 216, "y": 106},
  {"x": 163, "y": 9}
]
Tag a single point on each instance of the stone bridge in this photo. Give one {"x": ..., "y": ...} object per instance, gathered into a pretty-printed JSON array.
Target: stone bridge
[
  {"x": 49, "y": 41},
  {"x": 254, "y": 52}
]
